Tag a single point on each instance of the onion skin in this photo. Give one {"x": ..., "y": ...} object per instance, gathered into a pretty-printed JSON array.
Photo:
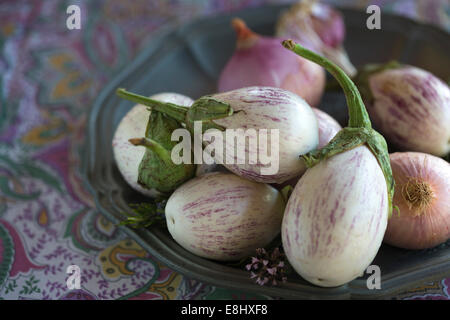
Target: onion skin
[
  {"x": 411, "y": 108},
  {"x": 318, "y": 27},
  {"x": 132, "y": 125},
  {"x": 270, "y": 108},
  {"x": 336, "y": 217},
  {"x": 224, "y": 217},
  {"x": 262, "y": 61},
  {"x": 416, "y": 227},
  {"x": 328, "y": 24}
]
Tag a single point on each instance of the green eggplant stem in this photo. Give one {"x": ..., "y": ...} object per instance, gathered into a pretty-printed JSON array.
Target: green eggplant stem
[
  {"x": 154, "y": 146},
  {"x": 172, "y": 110},
  {"x": 359, "y": 130},
  {"x": 358, "y": 117},
  {"x": 205, "y": 109}
]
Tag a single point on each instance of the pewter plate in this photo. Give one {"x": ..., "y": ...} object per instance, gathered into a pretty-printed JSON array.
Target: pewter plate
[{"x": 187, "y": 59}]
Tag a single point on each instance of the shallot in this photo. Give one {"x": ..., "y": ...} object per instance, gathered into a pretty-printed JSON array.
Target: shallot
[
  {"x": 318, "y": 27},
  {"x": 261, "y": 61},
  {"x": 423, "y": 201}
]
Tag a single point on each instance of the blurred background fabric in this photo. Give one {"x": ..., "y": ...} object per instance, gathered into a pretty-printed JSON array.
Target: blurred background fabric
[{"x": 49, "y": 78}]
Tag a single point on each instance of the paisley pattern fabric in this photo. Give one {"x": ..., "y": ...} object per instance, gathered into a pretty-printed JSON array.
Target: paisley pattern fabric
[{"x": 49, "y": 77}]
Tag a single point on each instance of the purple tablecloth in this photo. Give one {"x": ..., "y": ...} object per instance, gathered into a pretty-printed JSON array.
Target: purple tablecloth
[{"x": 49, "y": 78}]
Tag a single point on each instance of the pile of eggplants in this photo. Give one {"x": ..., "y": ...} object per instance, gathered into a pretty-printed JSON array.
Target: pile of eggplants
[{"x": 343, "y": 197}]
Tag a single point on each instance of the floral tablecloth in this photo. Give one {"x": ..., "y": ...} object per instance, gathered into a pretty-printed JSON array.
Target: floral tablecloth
[{"x": 49, "y": 77}]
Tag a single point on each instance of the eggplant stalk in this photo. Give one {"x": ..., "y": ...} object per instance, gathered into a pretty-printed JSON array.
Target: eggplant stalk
[
  {"x": 205, "y": 109},
  {"x": 359, "y": 130}
]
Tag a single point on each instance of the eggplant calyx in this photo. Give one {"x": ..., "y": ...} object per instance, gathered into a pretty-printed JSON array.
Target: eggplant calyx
[
  {"x": 207, "y": 109},
  {"x": 170, "y": 109},
  {"x": 346, "y": 139}
]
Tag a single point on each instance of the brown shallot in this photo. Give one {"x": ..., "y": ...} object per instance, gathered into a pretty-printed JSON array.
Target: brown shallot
[{"x": 423, "y": 200}]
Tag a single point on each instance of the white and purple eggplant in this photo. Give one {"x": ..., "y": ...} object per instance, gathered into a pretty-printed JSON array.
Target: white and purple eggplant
[
  {"x": 274, "y": 113},
  {"x": 224, "y": 217},
  {"x": 261, "y": 61},
  {"x": 328, "y": 128},
  {"x": 132, "y": 125},
  {"x": 318, "y": 27},
  {"x": 408, "y": 105},
  {"x": 337, "y": 214}
]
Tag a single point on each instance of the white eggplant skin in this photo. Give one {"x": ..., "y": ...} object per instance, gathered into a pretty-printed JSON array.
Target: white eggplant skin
[
  {"x": 224, "y": 217},
  {"x": 336, "y": 218},
  {"x": 133, "y": 125},
  {"x": 411, "y": 108},
  {"x": 328, "y": 127},
  {"x": 270, "y": 108}
]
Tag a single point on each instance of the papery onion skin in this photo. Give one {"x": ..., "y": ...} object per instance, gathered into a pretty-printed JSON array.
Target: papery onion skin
[
  {"x": 224, "y": 217},
  {"x": 415, "y": 226},
  {"x": 132, "y": 125},
  {"x": 318, "y": 27},
  {"x": 204, "y": 168},
  {"x": 328, "y": 24},
  {"x": 411, "y": 108},
  {"x": 262, "y": 61}
]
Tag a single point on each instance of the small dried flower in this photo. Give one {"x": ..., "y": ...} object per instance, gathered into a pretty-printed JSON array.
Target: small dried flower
[{"x": 267, "y": 267}]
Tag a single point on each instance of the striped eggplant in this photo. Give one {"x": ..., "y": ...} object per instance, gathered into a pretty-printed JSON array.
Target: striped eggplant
[
  {"x": 224, "y": 217},
  {"x": 337, "y": 214},
  {"x": 328, "y": 128},
  {"x": 408, "y": 105},
  {"x": 262, "y": 109},
  {"x": 132, "y": 125},
  {"x": 336, "y": 217},
  {"x": 271, "y": 108}
]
